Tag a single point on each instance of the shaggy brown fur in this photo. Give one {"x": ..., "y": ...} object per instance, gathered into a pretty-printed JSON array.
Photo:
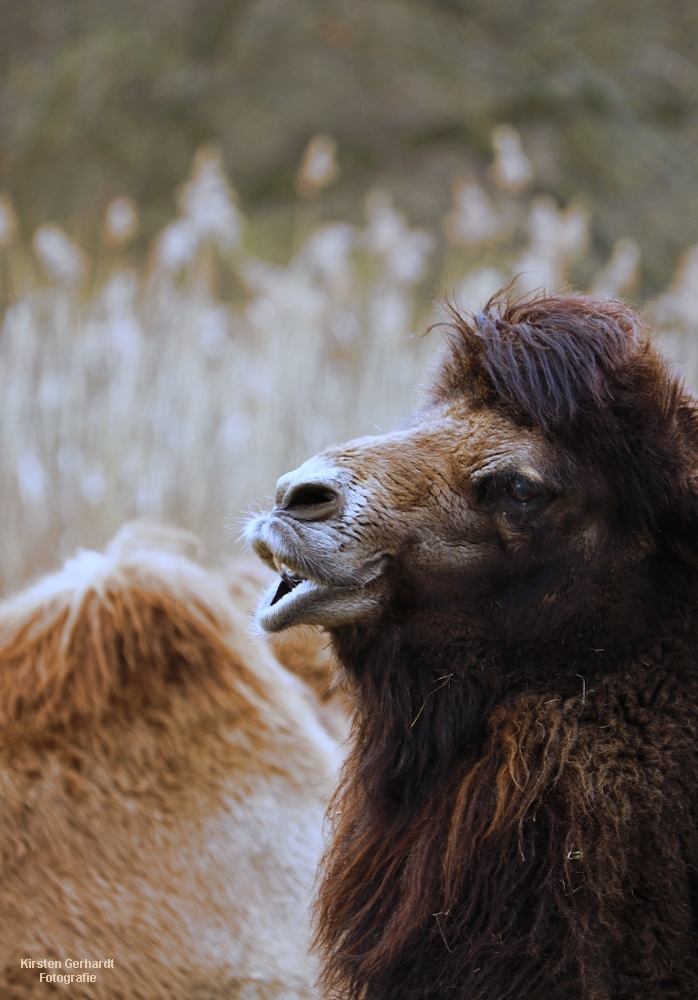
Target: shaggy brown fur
[
  {"x": 162, "y": 785},
  {"x": 518, "y": 816}
]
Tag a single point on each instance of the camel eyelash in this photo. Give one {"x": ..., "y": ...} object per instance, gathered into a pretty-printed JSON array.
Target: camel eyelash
[{"x": 513, "y": 485}]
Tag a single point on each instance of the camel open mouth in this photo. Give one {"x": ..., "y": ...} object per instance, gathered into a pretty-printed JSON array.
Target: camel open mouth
[
  {"x": 291, "y": 601},
  {"x": 298, "y": 599},
  {"x": 289, "y": 582}
]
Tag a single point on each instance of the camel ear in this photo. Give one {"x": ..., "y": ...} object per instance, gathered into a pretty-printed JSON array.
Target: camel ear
[
  {"x": 686, "y": 548},
  {"x": 679, "y": 525},
  {"x": 678, "y": 522}
]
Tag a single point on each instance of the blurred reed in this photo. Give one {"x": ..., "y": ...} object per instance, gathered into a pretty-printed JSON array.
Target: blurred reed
[{"x": 126, "y": 394}]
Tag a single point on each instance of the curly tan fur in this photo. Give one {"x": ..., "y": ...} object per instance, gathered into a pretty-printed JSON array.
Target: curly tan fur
[{"x": 162, "y": 784}]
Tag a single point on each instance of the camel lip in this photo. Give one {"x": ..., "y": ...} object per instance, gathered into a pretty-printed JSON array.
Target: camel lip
[
  {"x": 291, "y": 573},
  {"x": 282, "y": 607},
  {"x": 296, "y": 598},
  {"x": 315, "y": 587}
]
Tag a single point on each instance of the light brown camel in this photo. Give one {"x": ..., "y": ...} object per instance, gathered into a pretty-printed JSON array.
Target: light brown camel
[
  {"x": 511, "y": 583},
  {"x": 163, "y": 781}
]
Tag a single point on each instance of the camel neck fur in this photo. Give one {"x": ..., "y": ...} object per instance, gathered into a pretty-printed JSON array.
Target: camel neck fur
[{"x": 458, "y": 730}]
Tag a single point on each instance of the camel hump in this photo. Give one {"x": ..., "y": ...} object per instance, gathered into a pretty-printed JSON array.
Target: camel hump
[
  {"x": 135, "y": 628},
  {"x": 135, "y": 536}
]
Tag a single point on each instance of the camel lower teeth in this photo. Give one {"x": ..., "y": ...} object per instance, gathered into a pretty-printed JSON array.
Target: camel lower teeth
[{"x": 289, "y": 577}]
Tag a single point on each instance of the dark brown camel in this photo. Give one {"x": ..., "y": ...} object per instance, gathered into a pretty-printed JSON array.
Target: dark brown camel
[{"x": 511, "y": 584}]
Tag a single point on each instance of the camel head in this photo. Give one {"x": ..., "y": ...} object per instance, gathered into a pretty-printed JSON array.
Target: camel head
[{"x": 526, "y": 504}]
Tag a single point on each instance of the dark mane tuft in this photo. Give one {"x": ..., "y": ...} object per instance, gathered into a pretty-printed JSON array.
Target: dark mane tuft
[
  {"x": 547, "y": 358},
  {"x": 582, "y": 371}
]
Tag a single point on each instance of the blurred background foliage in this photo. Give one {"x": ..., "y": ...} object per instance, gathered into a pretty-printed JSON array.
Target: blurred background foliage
[
  {"x": 100, "y": 98},
  {"x": 225, "y": 223}
]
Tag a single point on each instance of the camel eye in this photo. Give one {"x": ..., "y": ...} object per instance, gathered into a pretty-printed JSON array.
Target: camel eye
[
  {"x": 522, "y": 490},
  {"x": 516, "y": 487}
]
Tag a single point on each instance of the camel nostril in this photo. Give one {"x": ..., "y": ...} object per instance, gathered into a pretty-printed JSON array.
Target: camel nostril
[
  {"x": 310, "y": 496},
  {"x": 313, "y": 501}
]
